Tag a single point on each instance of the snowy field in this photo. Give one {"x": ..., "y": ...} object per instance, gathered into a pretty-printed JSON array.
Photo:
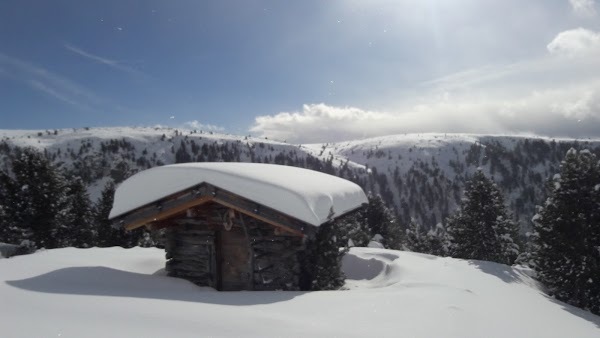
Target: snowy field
[{"x": 116, "y": 292}]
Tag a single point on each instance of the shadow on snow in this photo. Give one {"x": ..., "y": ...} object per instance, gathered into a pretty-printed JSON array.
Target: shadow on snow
[
  {"x": 590, "y": 317},
  {"x": 103, "y": 281},
  {"x": 509, "y": 275},
  {"x": 504, "y": 272}
]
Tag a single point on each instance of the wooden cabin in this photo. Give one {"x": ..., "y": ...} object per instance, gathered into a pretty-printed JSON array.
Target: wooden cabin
[{"x": 234, "y": 226}]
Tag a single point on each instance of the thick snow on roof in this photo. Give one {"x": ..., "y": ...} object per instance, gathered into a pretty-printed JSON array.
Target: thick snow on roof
[{"x": 307, "y": 195}]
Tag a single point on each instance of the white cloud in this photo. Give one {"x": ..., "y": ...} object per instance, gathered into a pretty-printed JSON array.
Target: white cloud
[
  {"x": 551, "y": 112},
  {"x": 557, "y": 94},
  {"x": 575, "y": 42},
  {"x": 584, "y": 8},
  {"x": 318, "y": 121},
  {"x": 584, "y": 104},
  {"x": 201, "y": 126}
]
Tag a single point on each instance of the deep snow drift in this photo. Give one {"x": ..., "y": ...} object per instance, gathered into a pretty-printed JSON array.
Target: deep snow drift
[{"x": 118, "y": 292}]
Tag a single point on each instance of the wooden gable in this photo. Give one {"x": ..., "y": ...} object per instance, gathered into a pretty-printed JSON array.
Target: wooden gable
[{"x": 157, "y": 213}]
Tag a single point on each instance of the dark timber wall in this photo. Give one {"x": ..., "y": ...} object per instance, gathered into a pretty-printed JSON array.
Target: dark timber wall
[
  {"x": 276, "y": 264},
  {"x": 253, "y": 255},
  {"x": 191, "y": 254}
]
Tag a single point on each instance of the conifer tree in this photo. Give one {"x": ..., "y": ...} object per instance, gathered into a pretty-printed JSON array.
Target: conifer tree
[
  {"x": 108, "y": 234},
  {"x": 381, "y": 221},
  {"x": 437, "y": 240},
  {"x": 78, "y": 217},
  {"x": 353, "y": 229},
  {"x": 433, "y": 241},
  {"x": 10, "y": 232},
  {"x": 415, "y": 237},
  {"x": 567, "y": 233},
  {"x": 322, "y": 259},
  {"x": 481, "y": 229},
  {"x": 40, "y": 197}
]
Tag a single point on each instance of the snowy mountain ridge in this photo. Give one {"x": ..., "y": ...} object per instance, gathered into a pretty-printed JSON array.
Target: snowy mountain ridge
[{"x": 420, "y": 175}]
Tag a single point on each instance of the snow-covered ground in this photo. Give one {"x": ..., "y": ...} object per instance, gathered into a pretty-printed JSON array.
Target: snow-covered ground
[{"x": 116, "y": 292}]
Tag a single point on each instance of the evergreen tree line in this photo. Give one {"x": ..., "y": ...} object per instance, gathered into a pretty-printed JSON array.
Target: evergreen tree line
[
  {"x": 480, "y": 229},
  {"x": 41, "y": 206},
  {"x": 564, "y": 247}
]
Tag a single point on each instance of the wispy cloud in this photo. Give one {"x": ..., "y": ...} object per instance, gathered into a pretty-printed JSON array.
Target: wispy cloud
[
  {"x": 197, "y": 125},
  {"x": 102, "y": 60},
  {"x": 54, "y": 93},
  {"x": 585, "y": 8},
  {"x": 51, "y": 84}
]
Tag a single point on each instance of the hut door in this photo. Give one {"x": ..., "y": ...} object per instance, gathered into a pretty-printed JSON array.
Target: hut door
[{"x": 234, "y": 260}]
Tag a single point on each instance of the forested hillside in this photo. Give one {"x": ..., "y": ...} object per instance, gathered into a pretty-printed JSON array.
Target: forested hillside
[
  {"x": 423, "y": 175},
  {"x": 419, "y": 176}
]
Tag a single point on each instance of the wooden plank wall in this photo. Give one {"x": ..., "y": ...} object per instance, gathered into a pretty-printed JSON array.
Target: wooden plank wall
[
  {"x": 276, "y": 264},
  {"x": 191, "y": 254}
]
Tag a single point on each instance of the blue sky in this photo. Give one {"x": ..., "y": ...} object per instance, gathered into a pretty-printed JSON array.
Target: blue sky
[{"x": 303, "y": 70}]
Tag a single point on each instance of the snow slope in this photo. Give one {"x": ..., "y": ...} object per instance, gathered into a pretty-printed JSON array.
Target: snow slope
[{"x": 116, "y": 292}]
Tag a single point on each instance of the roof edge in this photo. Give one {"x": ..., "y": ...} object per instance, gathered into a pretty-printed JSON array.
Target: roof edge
[{"x": 202, "y": 193}]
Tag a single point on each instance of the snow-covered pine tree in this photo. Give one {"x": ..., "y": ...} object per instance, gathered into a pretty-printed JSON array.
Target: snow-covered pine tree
[
  {"x": 481, "y": 229},
  {"x": 322, "y": 259},
  {"x": 78, "y": 217},
  {"x": 40, "y": 197},
  {"x": 433, "y": 241},
  {"x": 567, "y": 233},
  {"x": 381, "y": 221},
  {"x": 107, "y": 235},
  {"x": 415, "y": 237},
  {"x": 438, "y": 241},
  {"x": 10, "y": 232},
  {"x": 353, "y": 229}
]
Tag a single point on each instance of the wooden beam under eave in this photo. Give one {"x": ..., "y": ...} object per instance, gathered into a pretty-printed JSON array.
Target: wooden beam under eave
[
  {"x": 204, "y": 193},
  {"x": 167, "y": 213},
  {"x": 264, "y": 219}
]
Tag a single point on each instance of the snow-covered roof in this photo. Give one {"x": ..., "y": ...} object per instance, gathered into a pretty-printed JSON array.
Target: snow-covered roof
[{"x": 304, "y": 194}]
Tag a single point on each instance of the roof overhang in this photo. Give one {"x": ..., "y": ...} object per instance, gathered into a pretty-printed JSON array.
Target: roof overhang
[{"x": 176, "y": 204}]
